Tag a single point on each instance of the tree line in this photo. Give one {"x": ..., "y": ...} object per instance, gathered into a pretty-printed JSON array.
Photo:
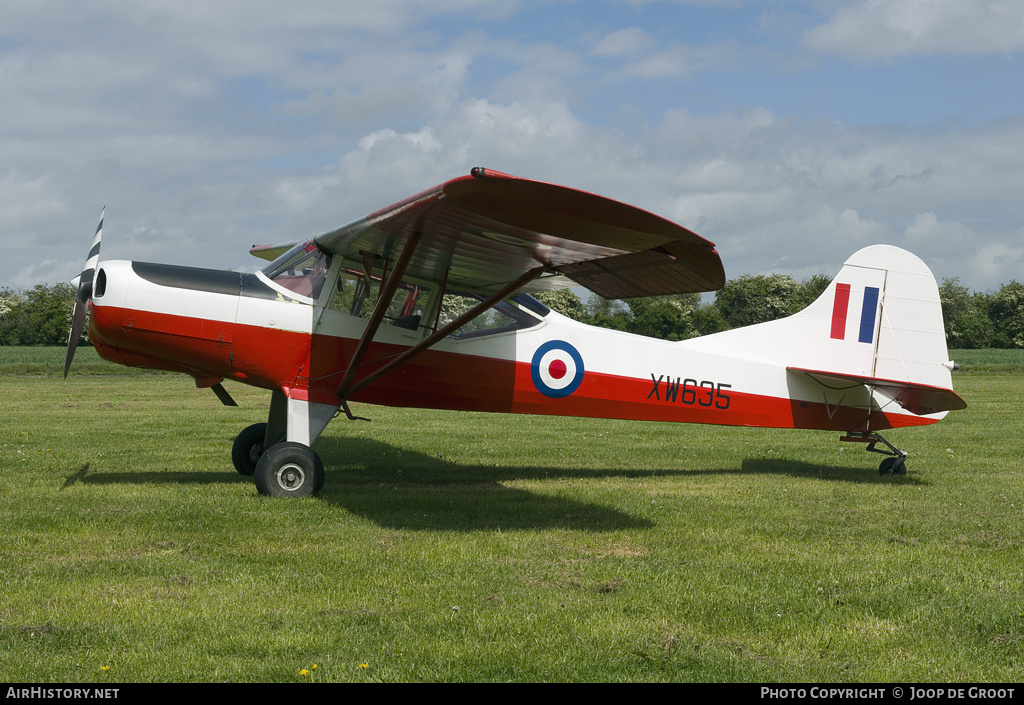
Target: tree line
[
  {"x": 972, "y": 319},
  {"x": 42, "y": 314},
  {"x": 39, "y": 316}
]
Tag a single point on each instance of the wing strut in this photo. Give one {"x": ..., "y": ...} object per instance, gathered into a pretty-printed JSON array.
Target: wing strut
[
  {"x": 348, "y": 388},
  {"x": 387, "y": 292}
]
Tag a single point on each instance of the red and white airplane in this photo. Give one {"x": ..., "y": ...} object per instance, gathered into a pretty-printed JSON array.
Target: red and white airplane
[{"x": 426, "y": 304}]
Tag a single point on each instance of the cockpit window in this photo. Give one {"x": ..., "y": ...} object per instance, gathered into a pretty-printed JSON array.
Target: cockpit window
[
  {"x": 414, "y": 304},
  {"x": 301, "y": 269}
]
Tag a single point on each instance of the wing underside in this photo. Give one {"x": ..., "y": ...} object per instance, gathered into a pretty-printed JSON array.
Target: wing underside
[{"x": 482, "y": 231}]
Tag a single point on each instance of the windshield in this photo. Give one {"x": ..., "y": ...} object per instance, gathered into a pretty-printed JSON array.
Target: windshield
[{"x": 301, "y": 269}]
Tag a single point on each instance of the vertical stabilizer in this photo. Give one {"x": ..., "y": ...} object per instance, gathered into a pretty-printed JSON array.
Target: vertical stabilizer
[
  {"x": 878, "y": 326},
  {"x": 884, "y": 320},
  {"x": 911, "y": 337}
]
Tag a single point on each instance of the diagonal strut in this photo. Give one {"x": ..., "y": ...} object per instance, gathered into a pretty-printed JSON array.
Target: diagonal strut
[{"x": 347, "y": 388}]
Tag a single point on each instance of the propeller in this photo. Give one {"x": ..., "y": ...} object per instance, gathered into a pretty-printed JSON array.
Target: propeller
[{"x": 84, "y": 284}]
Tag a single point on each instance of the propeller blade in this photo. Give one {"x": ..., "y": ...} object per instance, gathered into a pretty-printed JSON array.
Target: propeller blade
[{"x": 84, "y": 283}]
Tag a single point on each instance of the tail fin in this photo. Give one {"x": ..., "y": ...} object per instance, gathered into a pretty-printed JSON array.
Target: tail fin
[
  {"x": 877, "y": 325},
  {"x": 880, "y": 323}
]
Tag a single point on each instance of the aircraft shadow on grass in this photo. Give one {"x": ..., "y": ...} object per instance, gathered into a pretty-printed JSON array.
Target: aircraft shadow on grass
[{"x": 406, "y": 489}]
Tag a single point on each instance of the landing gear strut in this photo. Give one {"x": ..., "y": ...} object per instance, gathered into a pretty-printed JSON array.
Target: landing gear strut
[
  {"x": 277, "y": 453},
  {"x": 894, "y": 464}
]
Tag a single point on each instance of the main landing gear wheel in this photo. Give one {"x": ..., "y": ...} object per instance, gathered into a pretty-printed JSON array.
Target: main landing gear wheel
[
  {"x": 248, "y": 448},
  {"x": 289, "y": 469}
]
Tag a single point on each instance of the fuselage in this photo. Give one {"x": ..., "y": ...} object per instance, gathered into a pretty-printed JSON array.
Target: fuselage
[{"x": 254, "y": 329}]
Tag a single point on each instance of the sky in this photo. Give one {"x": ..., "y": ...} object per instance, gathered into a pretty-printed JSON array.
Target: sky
[{"x": 791, "y": 134}]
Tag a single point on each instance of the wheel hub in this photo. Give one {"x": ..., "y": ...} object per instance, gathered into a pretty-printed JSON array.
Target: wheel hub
[{"x": 290, "y": 477}]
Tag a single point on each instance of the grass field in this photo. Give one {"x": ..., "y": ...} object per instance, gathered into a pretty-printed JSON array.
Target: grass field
[{"x": 472, "y": 547}]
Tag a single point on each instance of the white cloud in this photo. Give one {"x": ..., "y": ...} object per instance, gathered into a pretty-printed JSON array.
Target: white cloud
[
  {"x": 928, "y": 231},
  {"x": 879, "y": 29},
  {"x": 677, "y": 61},
  {"x": 995, "y": 263},
  {"x": 624, "y": 42},
  {"x": 213, "y": 126},
  {"x": 26, "y": 199},
  {"x": 776, "y": 195}
]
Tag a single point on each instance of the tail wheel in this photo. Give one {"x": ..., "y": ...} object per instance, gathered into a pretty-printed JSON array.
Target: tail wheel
[
  {"x": 893, "y": 465},
  {"x": 289, "y": 470},
  {"x": 248, "y": 448}
]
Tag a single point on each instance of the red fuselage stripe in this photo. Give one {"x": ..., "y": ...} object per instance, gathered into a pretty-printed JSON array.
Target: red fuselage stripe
[{"x": 312, "y": 367}]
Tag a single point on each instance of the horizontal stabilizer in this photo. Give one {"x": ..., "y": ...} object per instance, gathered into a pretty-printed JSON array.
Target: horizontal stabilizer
[
  {"x": 271, "y": 252},
  {"x": 920, "y": 399}
]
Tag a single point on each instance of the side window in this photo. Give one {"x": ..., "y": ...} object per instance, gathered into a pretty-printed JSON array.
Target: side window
[
  {"x": 414, "y": 306},
  {"x": 511, "y": 314},
  {"x": 357, "y": 295}
]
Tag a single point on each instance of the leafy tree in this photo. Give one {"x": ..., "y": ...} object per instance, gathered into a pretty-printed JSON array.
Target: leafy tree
[
  {"x": 49, "y": 312},
  {"x": 42, "y": 316},
  {"x": 965, "y": 316},
  {"x": 813, "y": 287},
  {"x": 665, "y": 317},
  {"x": 8, "y": 300},
  {"x": 1006, "y": 311},
  {"x": 612, "y": 314},
  {"x": 10, "y": 304},
  {"x": 756, "y": 299},
  {"x": 674, "y": 317},
  {"x": 707, "y": 319},
  {"x": 565, "y": 301}
]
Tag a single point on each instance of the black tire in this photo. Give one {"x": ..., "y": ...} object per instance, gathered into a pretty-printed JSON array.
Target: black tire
[
  {"x": 894, "y": 465},
  {"x": 248, "y": 448},
  {"x": 289, "y": 470}
]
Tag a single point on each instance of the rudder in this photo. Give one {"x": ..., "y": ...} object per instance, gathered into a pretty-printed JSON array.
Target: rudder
[{"x": 885, "y": 320}]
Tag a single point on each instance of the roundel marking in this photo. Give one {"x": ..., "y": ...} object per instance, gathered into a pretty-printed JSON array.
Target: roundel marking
[{"x": 557, "y": 369}]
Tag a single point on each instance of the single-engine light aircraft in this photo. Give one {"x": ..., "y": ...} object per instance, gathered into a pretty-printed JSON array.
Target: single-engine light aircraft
[{"x": 427, "y": 304}]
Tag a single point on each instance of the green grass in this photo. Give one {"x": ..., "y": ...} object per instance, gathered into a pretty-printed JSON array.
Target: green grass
[
  {"x": 49, "y": 360},
  {"x": 989, "y": 360},
  {"x": 474, "y": 547}
]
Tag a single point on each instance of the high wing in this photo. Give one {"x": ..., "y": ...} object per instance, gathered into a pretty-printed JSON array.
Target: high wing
[
  {"x": 480, "y": 232},
  {"x": 921, "y": 399}
]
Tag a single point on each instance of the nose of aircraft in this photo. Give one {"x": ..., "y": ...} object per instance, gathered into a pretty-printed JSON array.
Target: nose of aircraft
[
  {"x": 165, "y": 316},
  {"x": 107, "y": 304}
]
